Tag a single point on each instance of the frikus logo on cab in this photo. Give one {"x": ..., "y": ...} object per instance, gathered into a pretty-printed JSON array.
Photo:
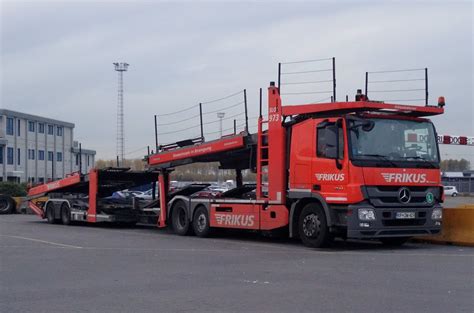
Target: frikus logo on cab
[
  {"x": 329, "y": 177},
  {"x": 404, "y": 178}
]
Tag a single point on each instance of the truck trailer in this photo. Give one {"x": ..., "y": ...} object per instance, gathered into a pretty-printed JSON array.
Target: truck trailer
[{"x": 355, "y": 169}]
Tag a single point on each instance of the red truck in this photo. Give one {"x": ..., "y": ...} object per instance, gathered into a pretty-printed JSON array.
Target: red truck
[{"x": 355, "y": 169}]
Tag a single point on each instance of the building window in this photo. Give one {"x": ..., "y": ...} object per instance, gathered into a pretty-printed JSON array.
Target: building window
[
  {"x": 59, "y": 156},
  {"x": 41, "y": 180},
  {"x": 10, "y": 126},
  {"x": 50, "y": 130},
  {"x": 19, "y": 128},
  {"x": 19, "y": 157},
  {"x": 77, "y": 159},
  {"x": 59, "y": 131},
  {"x": 31, "y": 154},
  {"x": 50, "y": 155},
  {"x": 41, "y": 155},
  {"x": 88, "y": 160},
  {"x": 1, "y": 155},
  {"x": 31, "y": 126},
  {"x": 41, "y": 128},
  {"x": 10, "y": 156}
]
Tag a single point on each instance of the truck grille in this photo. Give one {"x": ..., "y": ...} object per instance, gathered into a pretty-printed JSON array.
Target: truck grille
[{"x": 388, "y": 196}]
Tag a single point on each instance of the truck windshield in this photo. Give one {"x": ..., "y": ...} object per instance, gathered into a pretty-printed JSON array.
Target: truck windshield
[{"x": 393, "y": 140}]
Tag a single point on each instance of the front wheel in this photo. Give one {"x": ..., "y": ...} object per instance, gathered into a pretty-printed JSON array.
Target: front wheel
[
  {"x": 201, "y": 222},
  {"x": 455, "y": 194},
  {"x": 394, "y": 241},
  {"x": 313, "y": 228}
]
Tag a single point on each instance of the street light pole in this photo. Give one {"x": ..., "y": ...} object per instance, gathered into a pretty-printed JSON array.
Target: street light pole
[{"x": 220, "y": 115}]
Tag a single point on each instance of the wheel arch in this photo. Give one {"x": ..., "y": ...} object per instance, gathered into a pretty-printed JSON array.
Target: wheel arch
[{"x": 298, "y": 206}]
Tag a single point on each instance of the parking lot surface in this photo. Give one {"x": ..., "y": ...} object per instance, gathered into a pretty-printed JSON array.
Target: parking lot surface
[
  {"x": 55, "y": 268},
  {"x": 452, "y": 202}
]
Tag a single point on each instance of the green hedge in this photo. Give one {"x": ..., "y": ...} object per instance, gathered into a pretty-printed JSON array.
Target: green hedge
[{"x": 12, "y": 189}]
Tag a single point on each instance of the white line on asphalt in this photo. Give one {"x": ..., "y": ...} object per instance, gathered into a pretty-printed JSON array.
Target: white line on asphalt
[
  {"x": 296, "y": 253},
  {"x": 44, "y": 241}
]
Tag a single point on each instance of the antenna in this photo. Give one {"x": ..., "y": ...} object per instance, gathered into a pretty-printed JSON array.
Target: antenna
[{"x": 120, "y": 68}]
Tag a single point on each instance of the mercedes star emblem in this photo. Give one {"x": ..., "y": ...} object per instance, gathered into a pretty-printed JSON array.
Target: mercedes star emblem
[{"x": 404, "y": 195}]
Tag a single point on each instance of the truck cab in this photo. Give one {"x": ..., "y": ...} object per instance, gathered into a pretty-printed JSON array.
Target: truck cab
[{"x": 376, "y": 174}]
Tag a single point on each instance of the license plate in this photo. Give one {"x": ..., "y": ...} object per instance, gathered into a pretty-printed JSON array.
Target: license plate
[{"x": 405, "y": 215}]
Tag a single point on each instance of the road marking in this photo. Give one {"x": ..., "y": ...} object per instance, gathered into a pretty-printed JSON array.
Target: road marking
[
  {"x": 44, "y": 241},
  {"x": 285, "y": 251}
]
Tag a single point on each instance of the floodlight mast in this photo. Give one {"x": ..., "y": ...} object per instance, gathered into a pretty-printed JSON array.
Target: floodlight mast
[{"x": 120, "y": 68}]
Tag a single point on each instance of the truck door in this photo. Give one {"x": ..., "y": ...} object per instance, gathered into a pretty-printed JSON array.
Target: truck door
[{"x": 330, "y": 162}]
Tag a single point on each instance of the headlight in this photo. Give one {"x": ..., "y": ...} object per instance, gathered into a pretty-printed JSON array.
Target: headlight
[
  {"x": 366, "y": 214},
  {"x": 437, "y": 214}
]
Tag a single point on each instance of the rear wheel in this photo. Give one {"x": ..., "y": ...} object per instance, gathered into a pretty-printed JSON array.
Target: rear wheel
[
  {"x": 180, "y": 219},
  {"x": 394, "y": 241},
  {"x": 65, "y": 214},
  {"x": 313, "y": 228},
  {"x": 201, "y": 224},
  {"x": 50, "y": 213},
  {"x": 7, "y": 205}
]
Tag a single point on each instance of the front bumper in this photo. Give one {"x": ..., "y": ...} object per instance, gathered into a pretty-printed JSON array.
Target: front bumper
[{"x": 386, "y": 225}]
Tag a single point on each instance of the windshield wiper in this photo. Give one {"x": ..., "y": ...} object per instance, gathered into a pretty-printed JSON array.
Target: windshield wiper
[
  {"x": 380, "y": 156},
  {"x": 421, "y": 158}
]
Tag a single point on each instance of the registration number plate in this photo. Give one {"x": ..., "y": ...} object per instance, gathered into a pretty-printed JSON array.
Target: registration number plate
[{"x": 405, "y": 215}]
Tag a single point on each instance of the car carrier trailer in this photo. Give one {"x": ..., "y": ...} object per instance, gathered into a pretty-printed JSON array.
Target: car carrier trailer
[
  {"x": 354, "y": 169},
  {"x": 89, "y": 198}
]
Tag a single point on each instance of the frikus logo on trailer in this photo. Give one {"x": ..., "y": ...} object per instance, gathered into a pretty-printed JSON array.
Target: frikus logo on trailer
[
  {"x": 329, "y": 177},
  {"x": 235, "y": 220},
  {"x": 404, "y": 178}
]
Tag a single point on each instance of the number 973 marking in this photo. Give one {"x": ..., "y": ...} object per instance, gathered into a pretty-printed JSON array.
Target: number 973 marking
[{"x": 274, "y": 118}]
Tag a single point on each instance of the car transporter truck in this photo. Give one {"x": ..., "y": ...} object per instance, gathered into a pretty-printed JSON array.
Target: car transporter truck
[{"x": 355, "y": 169}]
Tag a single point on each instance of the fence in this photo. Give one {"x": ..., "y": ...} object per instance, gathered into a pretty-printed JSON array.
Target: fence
[{"x": 462, "y": 184}]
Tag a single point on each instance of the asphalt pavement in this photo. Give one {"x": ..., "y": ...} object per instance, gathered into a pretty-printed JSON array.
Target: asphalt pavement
[
  {"x": 55, "y": 268},
  {"x": 452, "y": 202}
]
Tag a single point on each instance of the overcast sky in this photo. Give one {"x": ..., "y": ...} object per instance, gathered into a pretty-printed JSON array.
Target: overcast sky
[{"x": 56, "y": 60}]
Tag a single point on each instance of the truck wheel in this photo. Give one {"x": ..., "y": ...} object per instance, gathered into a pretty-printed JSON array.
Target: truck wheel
[
  {"x": 313, "y": 228},
  {"x": 394, "y": 241},
  {"x": 50, "y": 213},
  {"x": 65, "y": 214},
  {"x": 201, "y": 223},
  {"x": 180, "y": 219},
  {"x": 7, "y": 205}
]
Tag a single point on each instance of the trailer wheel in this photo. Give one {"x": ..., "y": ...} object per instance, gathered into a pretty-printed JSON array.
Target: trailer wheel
[
  {"x": 201, "y": 223},
  {"x": 65, "y": 214},
  {"x": 50, "y": 213},
  {"x": 7, "y": 205},
  {"x": 394, "y": 241},
  {"x": 313, "y": 228},
  {"x": 180, "y": 219}
]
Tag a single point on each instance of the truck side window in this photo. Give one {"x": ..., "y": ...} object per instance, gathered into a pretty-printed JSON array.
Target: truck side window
[
  {"x": 341, "y": 143},
  {"x": 329, "y": 137}
]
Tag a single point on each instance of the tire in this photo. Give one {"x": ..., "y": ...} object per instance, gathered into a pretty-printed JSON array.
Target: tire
[
  {"x": 7, "y": 205},
  {"x": 180, "y": 219},
  {"x": 394, "y": 241},
  {"x": 312, "y": 227},
  {"x": 65, "y": 214},
  {"x": 50, "y": 213},
  {"x": 201, "y": 222},
  {"x": 454, "y": 194}
]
